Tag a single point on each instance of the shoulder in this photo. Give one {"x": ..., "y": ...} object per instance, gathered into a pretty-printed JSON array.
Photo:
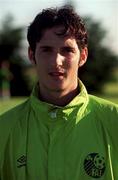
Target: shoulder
[
  {"x": 102, "y": 105},
  {"x": 105, "y": 114},
  {"x": 9, "y": 118},
  {"x": 12, "y": 119},
  {"x": 8, "y": 123},
  {"x": 14, "y": 112}
]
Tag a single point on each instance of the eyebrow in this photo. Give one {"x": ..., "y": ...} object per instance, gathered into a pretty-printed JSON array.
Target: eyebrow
[
  {"x": 49, "y": 47},
  {"x": 68, "y": 48},
  {"x": 45, "y": 46}
]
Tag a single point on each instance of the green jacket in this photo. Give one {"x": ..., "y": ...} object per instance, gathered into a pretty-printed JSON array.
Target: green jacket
[{"x": 40, "y": 141}]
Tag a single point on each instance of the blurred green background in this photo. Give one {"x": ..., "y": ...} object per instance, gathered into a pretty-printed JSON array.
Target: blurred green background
[
  {"x": 110, "y": 93},
  {"x": 17, "y": 75}
]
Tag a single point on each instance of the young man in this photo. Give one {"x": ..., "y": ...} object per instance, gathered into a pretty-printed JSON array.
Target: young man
[{"x": 60, "y": 132}]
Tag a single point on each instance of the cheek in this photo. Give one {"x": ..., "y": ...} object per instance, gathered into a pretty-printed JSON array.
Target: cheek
[
  {"x": 72, "y": 64},
  {"x": 40, "y": 68},
  {"x": 40, "y": 62}
]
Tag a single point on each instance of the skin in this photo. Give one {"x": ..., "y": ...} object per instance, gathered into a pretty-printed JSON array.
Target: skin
[{"x": 57, "y": 60}]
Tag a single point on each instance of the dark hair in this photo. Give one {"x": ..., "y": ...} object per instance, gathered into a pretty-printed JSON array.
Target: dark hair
[{"x": 52, "y": 17}]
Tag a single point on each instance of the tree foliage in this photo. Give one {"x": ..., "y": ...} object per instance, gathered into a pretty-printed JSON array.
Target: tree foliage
[
  {"x": 10, "y": 38},
  {"x": 10, "y": 45},
  {"x": 94, "y": 73},
  {"x": 101, "y": 60}
]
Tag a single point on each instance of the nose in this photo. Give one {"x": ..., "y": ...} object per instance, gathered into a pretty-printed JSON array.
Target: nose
[{"x": 58, "y": 59}]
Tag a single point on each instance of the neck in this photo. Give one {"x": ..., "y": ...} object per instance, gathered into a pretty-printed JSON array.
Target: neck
[{"x": 57, "y": 97}]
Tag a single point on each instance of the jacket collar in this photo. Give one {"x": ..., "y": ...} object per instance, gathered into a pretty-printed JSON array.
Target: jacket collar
[{"x": 81, "y": 100}]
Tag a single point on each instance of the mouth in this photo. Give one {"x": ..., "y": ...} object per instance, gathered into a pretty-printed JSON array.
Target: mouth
[{"x": 57, "y": 75}]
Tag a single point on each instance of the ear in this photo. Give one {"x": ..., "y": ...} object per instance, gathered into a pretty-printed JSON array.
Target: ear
[
  {"x": 31, "y": 55},
  {"x": 83, "y": 56}
]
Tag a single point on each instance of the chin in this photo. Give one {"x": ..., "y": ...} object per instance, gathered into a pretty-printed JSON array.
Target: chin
[{"x": 56, "y": 88}]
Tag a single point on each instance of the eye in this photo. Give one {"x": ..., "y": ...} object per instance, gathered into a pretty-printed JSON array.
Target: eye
[
  {"x": 68, "y": 50},
  {"x": 46, "y": 49}
]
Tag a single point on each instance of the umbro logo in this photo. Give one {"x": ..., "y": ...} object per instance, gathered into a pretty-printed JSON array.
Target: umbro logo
[{"x": 21, "y": 161}]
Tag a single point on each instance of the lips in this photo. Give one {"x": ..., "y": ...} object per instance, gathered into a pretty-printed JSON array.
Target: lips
[{"x": 56, "y": 74}]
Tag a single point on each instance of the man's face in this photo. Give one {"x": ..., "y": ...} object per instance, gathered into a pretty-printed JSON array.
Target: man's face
[{"x": 57, "y": 60}]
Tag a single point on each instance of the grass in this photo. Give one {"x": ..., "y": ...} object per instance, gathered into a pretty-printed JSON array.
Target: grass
[
  {"x": 110, "y": 92},
  {"x": 10, "y": 103},
  {"x": 7, "y": 104},
  {"x": 111, "y": 98}
]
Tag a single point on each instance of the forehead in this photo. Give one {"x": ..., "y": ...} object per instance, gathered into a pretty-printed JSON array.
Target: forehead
[
  {"x": 56, "y": 36},
  {"x": 56, "y": 30}
]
